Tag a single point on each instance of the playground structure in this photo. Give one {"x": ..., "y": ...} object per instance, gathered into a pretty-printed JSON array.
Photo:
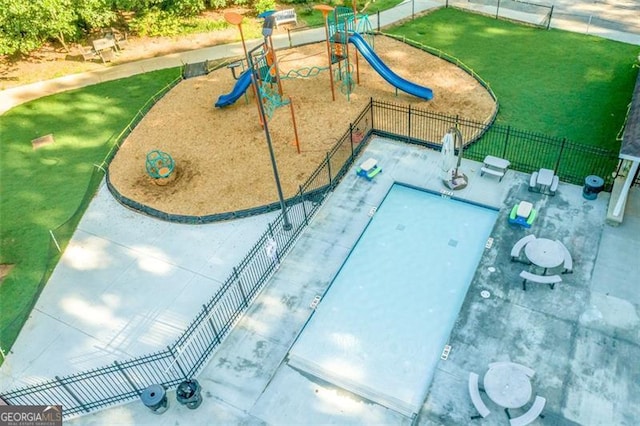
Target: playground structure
[
  {"x": 262, "y": 73},
  {"x": 160, "y": 166},
  {"x": 343, "y": 27},
  {"x": 223, "y": 151}
]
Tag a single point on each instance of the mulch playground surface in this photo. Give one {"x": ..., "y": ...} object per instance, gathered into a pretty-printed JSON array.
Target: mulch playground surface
[{"x": 221, "y": 155}]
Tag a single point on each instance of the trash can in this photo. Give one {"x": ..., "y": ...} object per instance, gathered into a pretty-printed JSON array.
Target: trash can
[
  {"x": 154, "y": 397},
  {"x": 188, "y": 393},
  {"x": 592, "y": 186}
]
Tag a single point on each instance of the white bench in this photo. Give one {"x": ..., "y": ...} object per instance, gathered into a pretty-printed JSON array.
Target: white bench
[
  {"x": 532, "y": 414},
  {"x": 474, "y": 392},
  {"x": 517, "y": 248},
  {"x": 552, "y": 280},
  {"x": 493, "y": 172},
  {"x": 554, "y": 185},
  {"x": 533, "y": 182},
  {"x": 285, "y": 16},
  {"x": 568, "y": 261}
]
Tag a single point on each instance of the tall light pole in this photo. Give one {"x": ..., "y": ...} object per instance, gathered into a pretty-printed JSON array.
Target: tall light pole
[{"x": 254, "y": 75}]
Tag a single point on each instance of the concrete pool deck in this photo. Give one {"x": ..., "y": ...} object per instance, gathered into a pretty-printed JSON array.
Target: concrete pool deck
[{"x": 582, "y": 338}]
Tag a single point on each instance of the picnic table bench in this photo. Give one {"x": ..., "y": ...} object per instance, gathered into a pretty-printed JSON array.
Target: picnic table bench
[{"x": 552, "y": 280}]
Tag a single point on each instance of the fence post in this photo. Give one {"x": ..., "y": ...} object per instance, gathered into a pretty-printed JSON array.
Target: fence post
[
  {"x": 289, "y": 35},
  {"x": 378, "y": 21},
  {"x": 506, "y": 141},
  {"x": 564, "y": 141},
  {"x": 127, "y": 378},
  {"x": 237, "y": 279},
  {"x": 373, "y": 127},
  {"x": 351, "y": 137},
  {"x": 175, "y": 361},
  {"x": 413, "y": 9},
  {"x": 304, "y": 208},
  {"x": 72, "y": 393},
  {"x": 498, "y": 9},
  {"x": 550, "y": 14},
  {"x": 213, "y": 327},
  {"x": 409, "y": 125},
  {"x": 329, "y": 167}
]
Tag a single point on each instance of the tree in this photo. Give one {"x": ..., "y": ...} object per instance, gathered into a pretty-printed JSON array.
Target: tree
[{"x": 26, "y": 25}]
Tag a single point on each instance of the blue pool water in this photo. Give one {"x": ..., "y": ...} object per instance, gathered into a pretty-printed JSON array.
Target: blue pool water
[{"x": 381, "y": 327}]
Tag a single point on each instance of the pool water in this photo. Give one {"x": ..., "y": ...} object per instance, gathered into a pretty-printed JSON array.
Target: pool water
[{"x": 381, "y": 327}]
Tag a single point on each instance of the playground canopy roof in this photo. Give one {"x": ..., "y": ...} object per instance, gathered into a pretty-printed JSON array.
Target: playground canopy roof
[{"x": 630, "y": 149}]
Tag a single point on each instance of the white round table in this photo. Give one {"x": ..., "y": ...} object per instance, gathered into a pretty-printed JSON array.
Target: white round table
[
  {"x": 507, "y": 385},
  {"x": 544, "y": 253}
]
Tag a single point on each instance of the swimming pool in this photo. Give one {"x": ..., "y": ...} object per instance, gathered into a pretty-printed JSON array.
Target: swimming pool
[{"x": 380, "y": 329}]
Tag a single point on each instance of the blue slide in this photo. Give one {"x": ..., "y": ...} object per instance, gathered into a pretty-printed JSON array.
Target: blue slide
[
  {"x": 392, "y": 78},
  {"x": 241, "y": 86}
]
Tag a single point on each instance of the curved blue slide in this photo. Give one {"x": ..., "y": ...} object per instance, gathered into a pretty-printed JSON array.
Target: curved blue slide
[
  {"x": 392, "y": 78},
  {"x": 241, "y": 86}
]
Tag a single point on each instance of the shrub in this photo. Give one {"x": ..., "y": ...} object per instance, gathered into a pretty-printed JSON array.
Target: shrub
[
  {"x": 156, "y": 23},
  {"x": 264, "y": 5}
]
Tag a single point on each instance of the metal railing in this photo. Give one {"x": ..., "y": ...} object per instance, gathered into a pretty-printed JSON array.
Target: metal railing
[
  {"x": 527, "y": 151},
  {"x": 124, "y": 381}
]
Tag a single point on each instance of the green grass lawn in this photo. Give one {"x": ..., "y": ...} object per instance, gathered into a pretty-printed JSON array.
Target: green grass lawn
[
  {"x": 548, "y": 81},
  {"x": 41, "y": 189}
]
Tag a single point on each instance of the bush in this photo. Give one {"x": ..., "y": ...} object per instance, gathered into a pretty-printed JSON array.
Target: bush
[
  {"x": 156, "y": 23},
  {"x": 264, "y": 5},
  {"x": 217, "y": 4},
  {"x": 187, "y": 8}
]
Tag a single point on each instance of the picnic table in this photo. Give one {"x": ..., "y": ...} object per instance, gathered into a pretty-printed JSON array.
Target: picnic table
[
  {"x": 495, "y": 166},
  {"x": 508, "y": 385},
  {"x": 105, "y": 48}
]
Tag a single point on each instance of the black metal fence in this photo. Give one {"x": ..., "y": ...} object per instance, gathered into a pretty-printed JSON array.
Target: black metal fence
[
  {"x": 124, "y": 381},
  {"x": 515, "y": 10},
  {"x": 527, "y": 151}
]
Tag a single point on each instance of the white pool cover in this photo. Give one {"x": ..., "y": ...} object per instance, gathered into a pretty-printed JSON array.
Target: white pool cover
[{"x": 381, "y": 328}]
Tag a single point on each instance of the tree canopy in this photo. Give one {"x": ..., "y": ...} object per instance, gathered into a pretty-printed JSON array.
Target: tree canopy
[{"x": 25, "y": 25}]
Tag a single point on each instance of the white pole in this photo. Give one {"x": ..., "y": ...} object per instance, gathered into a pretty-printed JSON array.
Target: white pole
[{"x": 624, "y": 192}]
